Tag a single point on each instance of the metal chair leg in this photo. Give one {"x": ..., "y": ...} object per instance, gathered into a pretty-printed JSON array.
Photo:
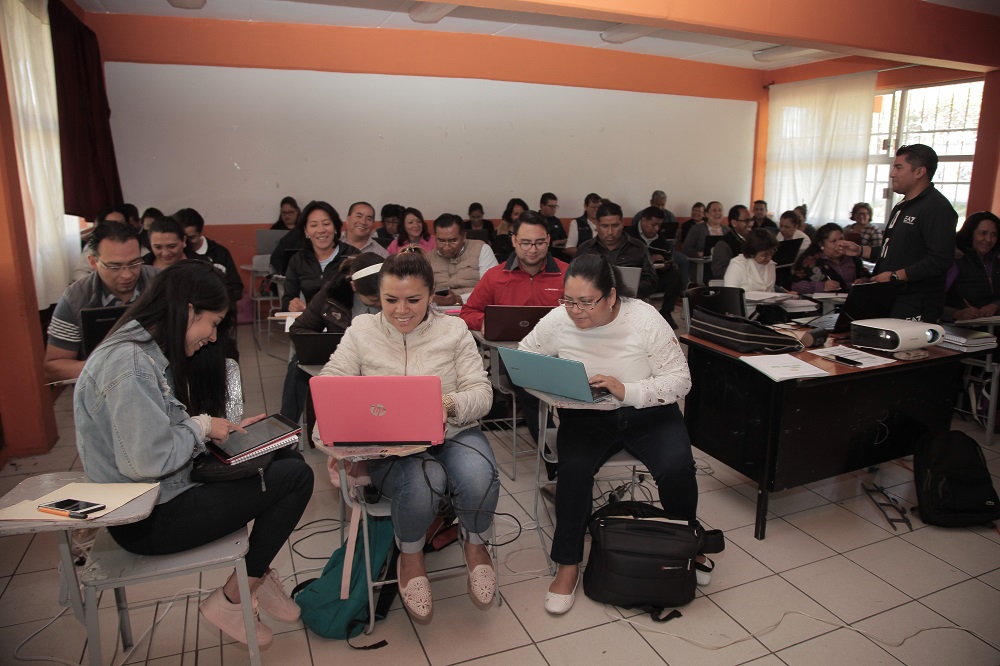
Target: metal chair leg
[{"x": 249, "y": 622}]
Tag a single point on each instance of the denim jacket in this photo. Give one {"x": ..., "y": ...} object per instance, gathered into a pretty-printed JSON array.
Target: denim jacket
[{"x": 129, "y": 425}]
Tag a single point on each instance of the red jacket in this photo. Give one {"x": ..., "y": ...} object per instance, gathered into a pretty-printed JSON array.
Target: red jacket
[{"x": 507, "y": 284}]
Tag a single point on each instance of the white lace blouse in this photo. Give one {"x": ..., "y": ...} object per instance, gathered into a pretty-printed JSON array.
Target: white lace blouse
[{"x": 638, "y": 348}]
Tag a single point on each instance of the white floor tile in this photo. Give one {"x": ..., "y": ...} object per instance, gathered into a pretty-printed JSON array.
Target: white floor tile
[
  {"x": 615, "y": 643},
  {"x": 845, "y": 588},
  {"x": 972, "y": 605},
  {"x": 726, "y": 509},
  {"x": 837, "y": 527},
  {"x": 458, "y": 631},
  {"x": 966, "y": 550},
  {"x": 784, "y": 546},
  {"x": 906, "y": 567},
  {"x": 839, "y": 647}
]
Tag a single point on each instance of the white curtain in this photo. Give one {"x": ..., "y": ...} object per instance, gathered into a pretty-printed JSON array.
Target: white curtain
[
  {"x": 53, "y": 237},
  {"x": 817, "y": 145}
]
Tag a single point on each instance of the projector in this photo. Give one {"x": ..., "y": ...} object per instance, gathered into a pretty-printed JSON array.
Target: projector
[{"x": 894, "y": 334}]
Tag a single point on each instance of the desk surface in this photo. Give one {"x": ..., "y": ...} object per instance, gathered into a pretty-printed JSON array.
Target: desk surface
[
  {"x": 569, "y": 403},
  {"x": 36, "y": 486},
  {"x": 834, "y": 369}
]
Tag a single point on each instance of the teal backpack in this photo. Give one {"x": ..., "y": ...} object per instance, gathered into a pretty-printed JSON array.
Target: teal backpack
[{"x": 325, "y": 612}]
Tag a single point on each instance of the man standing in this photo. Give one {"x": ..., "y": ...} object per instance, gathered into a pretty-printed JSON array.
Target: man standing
[
  {"x": 197, "y": 244},
  {"x": 358, "y": 228},
  {"x": 530, "y": 276},
  {"x": 119, "y": 276},
  {"x": 459, "y": 263},
  {"x": 740, "y": 224},
  {"x": 584, "y": 227},
  {"x": 760, "y": 218},
  {"x": 621, "y": 250},
  {"x": 919, "y": 244},
  {"x": 648, "y": 229}
]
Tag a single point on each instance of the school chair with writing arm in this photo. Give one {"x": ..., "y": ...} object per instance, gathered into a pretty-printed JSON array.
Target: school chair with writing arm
[{"x": 721, "y": 300}]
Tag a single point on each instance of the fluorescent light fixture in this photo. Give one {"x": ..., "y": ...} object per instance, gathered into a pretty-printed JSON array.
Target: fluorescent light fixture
[
  {"x": 187, "y": 4},
  {"x": 786, "y": 53},
  {"x": 626, "y": 32},
  {"x": 430, "y": 12}
]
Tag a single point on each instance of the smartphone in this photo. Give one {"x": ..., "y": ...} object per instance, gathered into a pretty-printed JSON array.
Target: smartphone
[
  {"x": 71, "y": 508},
  {"x": 442, "y": 292}
]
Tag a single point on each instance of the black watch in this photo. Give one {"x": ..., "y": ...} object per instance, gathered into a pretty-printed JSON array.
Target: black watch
[{"x": 893, "y": 277}]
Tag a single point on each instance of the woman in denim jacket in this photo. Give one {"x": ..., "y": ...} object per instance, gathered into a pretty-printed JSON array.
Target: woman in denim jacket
[{"x": 148, "y": 399}]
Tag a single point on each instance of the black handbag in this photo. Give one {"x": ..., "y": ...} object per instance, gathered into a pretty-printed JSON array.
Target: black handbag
[
  {"x": 640, "y": 557},
  {"x": 741, "y": 334},
  {"x": 209, "y": 469}
]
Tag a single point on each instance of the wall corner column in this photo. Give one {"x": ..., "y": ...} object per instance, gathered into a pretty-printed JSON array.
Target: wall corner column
[{"x": 984, "y": 190}]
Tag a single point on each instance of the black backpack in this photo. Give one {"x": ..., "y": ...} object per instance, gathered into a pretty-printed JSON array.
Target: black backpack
[
  {"x": 641, "y": 557},
  {"x": 954, "y": 486}
]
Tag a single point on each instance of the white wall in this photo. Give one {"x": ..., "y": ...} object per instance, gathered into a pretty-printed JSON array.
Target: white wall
[{"x": 231, "y": 142}]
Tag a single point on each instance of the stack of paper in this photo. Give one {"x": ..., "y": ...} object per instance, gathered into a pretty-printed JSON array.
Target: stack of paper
[
  {"x": 780, "y": 367},
  {"x": 798, "y": 305},
  {"x": 765, "y": 297},
  {"x": 967, "y": 339}
]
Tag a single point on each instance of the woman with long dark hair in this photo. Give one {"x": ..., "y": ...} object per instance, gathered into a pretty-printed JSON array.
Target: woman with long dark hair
[
  {"x": 972, "y": 286},
  {"x": 147, "y": 401},
  {"x": 288, "y": 214},
  {"x": 825, "y": 266}
]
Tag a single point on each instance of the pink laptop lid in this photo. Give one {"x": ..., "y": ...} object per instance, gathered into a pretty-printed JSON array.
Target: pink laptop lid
[{"x": 356, "y": 411}]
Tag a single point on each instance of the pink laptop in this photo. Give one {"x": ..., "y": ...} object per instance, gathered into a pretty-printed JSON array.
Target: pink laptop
[{"x": 392, "y": 411}]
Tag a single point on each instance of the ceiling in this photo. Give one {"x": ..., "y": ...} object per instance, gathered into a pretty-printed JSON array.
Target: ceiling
[{"x": 394, "y": 14}]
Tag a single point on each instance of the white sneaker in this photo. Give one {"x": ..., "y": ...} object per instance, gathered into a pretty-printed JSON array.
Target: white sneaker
[
  {"x": 228, "y": 617},
  {"x": 275, "y": 601}
]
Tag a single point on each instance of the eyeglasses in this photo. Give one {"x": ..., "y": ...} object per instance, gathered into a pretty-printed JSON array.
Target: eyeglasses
[
  {"x": 448, "y": 241},
  {"x": 527, "y": 245},
  {"x": 552, "y": 206},
  {"x": 134, "y": 266},
  {"x": 580, "y": 305}
]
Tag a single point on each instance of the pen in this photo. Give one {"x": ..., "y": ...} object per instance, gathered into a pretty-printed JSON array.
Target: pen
[
  {"x": 844, "y": 360},
  {"x": 64, "y": 514}
]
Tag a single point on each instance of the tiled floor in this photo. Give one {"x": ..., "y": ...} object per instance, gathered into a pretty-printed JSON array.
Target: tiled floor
[{"x": 829, "y": 560}]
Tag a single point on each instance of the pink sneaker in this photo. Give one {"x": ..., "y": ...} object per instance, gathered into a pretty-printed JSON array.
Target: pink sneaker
[
  {"x": 228, "y": 617},
  {"x": 274, "y": 601}
]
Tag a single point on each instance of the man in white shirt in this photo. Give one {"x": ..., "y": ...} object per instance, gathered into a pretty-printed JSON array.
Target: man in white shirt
[
  {"x": 584, "y": 227},
  {"x": 358, "y": 228}
]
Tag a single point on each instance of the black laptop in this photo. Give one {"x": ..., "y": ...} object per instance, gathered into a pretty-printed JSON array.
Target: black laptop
[
  {"x": 871, "y": 300},
  {"x": 511, "y": 323},
  {"x": 787, "y": 252},
  {"x": 96, "y": 323},
  {"x": 315, "y": 348}
]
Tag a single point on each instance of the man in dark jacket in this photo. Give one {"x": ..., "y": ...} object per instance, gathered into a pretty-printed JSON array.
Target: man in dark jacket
[
  {"x": 619, "y": 248},
  {"x": 194, "y": 226}
]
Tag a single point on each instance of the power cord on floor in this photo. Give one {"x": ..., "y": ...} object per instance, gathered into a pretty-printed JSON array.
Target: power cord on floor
[{"x": 840, "y": 625}]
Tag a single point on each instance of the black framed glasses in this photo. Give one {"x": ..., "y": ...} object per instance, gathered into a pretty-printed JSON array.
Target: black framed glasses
[{"x": 581, "y": 305}]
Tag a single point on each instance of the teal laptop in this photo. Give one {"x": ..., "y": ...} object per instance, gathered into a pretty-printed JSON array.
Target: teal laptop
[{"x": 551, "y": 374}]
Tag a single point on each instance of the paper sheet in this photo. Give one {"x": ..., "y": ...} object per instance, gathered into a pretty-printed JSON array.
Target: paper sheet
[
  {"x": 112, "y": 495},
  {"x": 781, "y": 367},
  {"x": 864, "y": 358}
]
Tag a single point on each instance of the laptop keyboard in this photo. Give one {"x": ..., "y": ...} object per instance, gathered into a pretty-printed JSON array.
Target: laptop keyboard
[{"x": 599, "y": 393}]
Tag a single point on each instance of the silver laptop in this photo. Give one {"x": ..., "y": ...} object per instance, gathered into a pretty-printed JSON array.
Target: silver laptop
[
  {"x": 267, "y": 239},
  {"x": 630, "y": 276},
  {"x": 551, "y": 374}
]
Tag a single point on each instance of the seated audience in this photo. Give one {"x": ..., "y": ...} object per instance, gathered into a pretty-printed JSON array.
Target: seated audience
[
  {"x": 119, "y": 276},
  {"x": 409, "y": 338},
  {"x": 584, "y": 227},
  {"x": 620, "y": 249},
  {"x": 694, "y": 241},
  {"x": 658, "y": 199},
  {"x": 671, "y": 278},
  {"x": 414, "y": 233},
  {"x": 392, "y": 215},
  {"x": 320, "y": 260},
  {"x": 760, "y": 218},
  {"x": 291, "y": 243},
  {"x": 359, "y": 227},
  {"x": 200, "y": 246},
  {"x": 752, "y": 269},
  {"x": 628, "y": 349},
  {"x": 871, "y": 236},
  {"x": 740, "y": 224},
  {"x": 477, "y": 220},
  {"x": 697, "y": 217},
  {"x": 972, "y": 284},
  {"x": 502, "y": 244},
  {"x": 83, "y": 267},
  {"x": 826, "y": 266},
  {"x": 458, "y": 262},
  {"x": 288, "y": 214},
  {"x": 807, "y": 228},
  {"x": 168, "y": 243},
  {"x": 548, "y": 205},
  {"x": 149, "y": 216},
  {"x": 352, "y": 291},
  {"x": 788, "y": 227},
  {"x": 148, "y": 399}
]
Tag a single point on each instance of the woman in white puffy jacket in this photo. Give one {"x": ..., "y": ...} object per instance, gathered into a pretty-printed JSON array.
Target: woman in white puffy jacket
[
  {"x": 629, "y": 349},
  {"x": 407, "y": 338}
]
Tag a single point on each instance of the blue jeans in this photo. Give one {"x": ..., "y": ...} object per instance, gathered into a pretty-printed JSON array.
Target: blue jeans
[
  {"x": 463, "y": 468},
  {"x": 656, "y": 436}
]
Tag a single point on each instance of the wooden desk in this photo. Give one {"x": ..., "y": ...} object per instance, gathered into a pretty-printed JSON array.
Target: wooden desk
[{"x": 786, "y": 434}]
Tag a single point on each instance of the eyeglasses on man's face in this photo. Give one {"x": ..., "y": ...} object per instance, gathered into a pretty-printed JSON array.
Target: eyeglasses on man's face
[
  {"x": 527, "y": 244},
  {"x": 580, "y": 305},
  {"x": 117, "y": 268}
]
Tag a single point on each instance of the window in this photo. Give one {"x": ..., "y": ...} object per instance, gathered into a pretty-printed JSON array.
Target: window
[{"x": 945, "y": 118}]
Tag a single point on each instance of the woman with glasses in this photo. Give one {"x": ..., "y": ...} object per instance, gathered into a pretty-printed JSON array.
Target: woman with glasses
[
  {"x": 288, "y": 215},
  {"x": 752, "y": 269},
  {"x": 630, "y": 350}
]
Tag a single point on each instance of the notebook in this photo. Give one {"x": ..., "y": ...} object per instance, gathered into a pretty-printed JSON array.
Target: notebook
[
  {"x": 315, "y": 348},
  {"x": 510, "y": 323},
  {"x": 551, "y": 374},
  {"x": 787, "y": 252},
  {"x": 268, "y": 434},
  {"x": 96, "y": 323},
  {"x": 391, "y": 411},
  {"x": 871, "y": 300}
]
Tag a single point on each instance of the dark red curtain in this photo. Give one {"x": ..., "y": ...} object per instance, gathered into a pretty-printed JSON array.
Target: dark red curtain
[{"x": 89, "y": 168}]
